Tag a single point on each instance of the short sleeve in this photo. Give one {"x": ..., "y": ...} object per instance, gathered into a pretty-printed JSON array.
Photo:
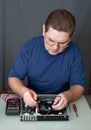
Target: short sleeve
[
  {"x": 78, "y": 73},
  {"x": 20, "y": 66}
]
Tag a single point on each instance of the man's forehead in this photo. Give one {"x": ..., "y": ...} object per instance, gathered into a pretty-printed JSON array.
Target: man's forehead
[{"x": 59, "y": 36}]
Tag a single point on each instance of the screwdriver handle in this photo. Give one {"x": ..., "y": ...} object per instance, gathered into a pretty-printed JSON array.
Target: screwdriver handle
[{"x": 75, "y": 109}]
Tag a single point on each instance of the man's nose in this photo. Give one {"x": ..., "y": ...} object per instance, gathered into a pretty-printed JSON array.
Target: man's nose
[{"x": 55, "y": 46}]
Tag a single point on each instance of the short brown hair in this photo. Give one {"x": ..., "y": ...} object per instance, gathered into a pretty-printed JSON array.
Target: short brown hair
[{"x": 61, "y": 20}]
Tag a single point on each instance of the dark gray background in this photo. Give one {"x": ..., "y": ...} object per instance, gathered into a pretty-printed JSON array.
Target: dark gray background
[{"x": 21, "y": 20}]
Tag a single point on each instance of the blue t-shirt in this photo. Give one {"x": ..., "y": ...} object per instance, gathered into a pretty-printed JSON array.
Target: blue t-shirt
[{"x": 49, "y": 73}]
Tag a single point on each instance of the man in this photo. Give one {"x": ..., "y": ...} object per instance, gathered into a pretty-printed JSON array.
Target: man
[{"x": 52, "y": 62}]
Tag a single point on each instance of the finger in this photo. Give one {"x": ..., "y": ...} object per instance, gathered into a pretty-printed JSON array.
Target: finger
[
  {"x": 34, "y": 96},
  {"x": 28, "y": 98},
  {"x": 57, "y": 99},
  {"x": 60, "y": 105},
  {"x": 30, "y": 102},
  {"x": 63, "y": 105}
]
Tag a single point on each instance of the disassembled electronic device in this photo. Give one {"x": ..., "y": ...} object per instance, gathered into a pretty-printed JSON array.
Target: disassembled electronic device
[{"x": 43, "y": 110}]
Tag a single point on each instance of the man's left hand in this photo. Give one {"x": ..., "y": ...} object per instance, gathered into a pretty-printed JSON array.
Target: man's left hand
[{"x": 60, "y": 102}]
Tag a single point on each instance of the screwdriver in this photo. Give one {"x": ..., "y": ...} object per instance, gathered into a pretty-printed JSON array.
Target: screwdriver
[
  {"x": 37, "y": 108},
  {"x": 75, "y": 109}
]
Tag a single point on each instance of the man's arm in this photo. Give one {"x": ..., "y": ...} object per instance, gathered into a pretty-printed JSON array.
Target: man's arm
[
  {"x": 72, "y": 94},
  {"x": 20, "y": 89}
]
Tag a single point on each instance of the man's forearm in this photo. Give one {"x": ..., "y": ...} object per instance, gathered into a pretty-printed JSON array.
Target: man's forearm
[
  {"x": 17, "y": 86},
  {"x": 74, "y": 92}
]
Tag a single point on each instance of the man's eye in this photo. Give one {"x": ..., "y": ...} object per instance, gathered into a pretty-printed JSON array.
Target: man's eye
[{"x": 51, "y": 41}]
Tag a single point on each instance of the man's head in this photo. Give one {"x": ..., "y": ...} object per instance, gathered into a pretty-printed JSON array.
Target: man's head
[
  {"x": 61, "y": 20},
  {"x": 58, "y": 30}
]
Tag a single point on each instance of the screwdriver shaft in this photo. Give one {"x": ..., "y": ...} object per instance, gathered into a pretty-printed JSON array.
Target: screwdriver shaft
[{"x": 76, "y": 114}]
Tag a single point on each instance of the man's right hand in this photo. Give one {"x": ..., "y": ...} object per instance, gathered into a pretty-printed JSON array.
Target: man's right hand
[{"x": 30, "y": 98}]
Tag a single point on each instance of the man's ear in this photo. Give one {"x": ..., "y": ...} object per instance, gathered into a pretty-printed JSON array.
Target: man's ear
[{"x": 43, "y": 28}]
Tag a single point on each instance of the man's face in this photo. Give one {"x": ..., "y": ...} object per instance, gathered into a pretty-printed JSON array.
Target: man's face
[{"x": 55, "y": 41}]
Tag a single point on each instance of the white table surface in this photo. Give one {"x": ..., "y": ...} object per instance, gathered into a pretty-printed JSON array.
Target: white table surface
[{"x": 82, "y": 122}]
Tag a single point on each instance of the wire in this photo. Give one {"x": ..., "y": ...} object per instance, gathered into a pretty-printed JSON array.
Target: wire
[{"x": 5, "y": 97}]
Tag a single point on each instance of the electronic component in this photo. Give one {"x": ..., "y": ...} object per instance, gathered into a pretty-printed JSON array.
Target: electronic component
[
  {"x": 13, "y": 106},
  {"x": 43, "y": 110}
]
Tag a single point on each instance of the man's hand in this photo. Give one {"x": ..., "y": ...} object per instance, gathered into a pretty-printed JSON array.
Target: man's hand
[
  {"x": 60, "y": 102},
  {"x": 70, "y": 95},
  {"x": 30, "y": 98}
]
